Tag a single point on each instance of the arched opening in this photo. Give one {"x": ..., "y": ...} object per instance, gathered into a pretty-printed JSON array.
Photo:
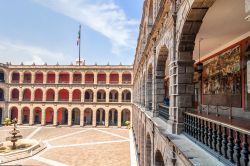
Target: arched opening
[
  {"x": 101, "y": 78},
  {"x": 37, "y": 115},
  {"x": 1, "y": 94},
  {"x": 159, "y": 159},
  {"x": 15, "y": 77},
  {"x": 50, "y": 95},
  {"x": 100, "y": 117},
  {"x": 15, "y": 95},
  {"x": 126, "y": 78},
  {"x": 113, "y": 117},
  {"x": 25, "y": 115},
  {"x": 77, "y": 78},
  {"x": 62, "y": 116},
  {"x": 149, "y": 88},
  {"x": 26, "y": 95},
  {"x": 143, "y": 90},
  {"x": 126, "y": 96},
  {"x": 1, "y": 116},
  {"x": 49, "y": 115},
  {"x": 89, "y": 78},
  {"x": 88, "y": 96},
  {"x": 39, "y": 77},
  {"x": 101, "y": 96},
  {"x": 51, "y": 77},
  {"x": 88, "y": 116},
  {"x": 148, "y": 150},
  {"x": 63, "y": 95},
  {"x": 27, "y": 77},
  {"x": 38, "y": 95},
  {"x": 63, "y": 77},
  {"x": 150, "y": 18},
  {"x": 76, "y": 116},
  {"x": 113, "y": 96},
  {"x": 14, "y": 113},
  {"x": 114, "y": 78},
  {"x": 142, "y": 155},
  {"x": 76, "y": 96},
  {"x": 2, "y": 77},
  {"x": 125, "y": 116}
]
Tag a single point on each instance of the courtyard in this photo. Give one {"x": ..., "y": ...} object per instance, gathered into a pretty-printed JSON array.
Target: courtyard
[{"x": 77, "y": 146}]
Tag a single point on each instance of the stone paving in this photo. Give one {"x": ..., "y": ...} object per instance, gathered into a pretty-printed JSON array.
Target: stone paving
[{"x": 77, "y": 146}]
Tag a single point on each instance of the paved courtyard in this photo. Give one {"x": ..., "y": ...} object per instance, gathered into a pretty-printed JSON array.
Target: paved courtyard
[{"x": 78, "y": 146}]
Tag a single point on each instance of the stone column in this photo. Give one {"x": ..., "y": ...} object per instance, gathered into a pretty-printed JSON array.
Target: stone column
[
  {"x": 83, "y": 78},
  {"x": 56, "y": 95},
  {"x": 101, "y": 112},
  {"x": 44, "y": 94},
  {"x": 120, "y": 78},
  {"x": 94, "y": 119},
  {"x": 106, "y": 118},
  {"x": 69, "y": 117},
  {"x": 20, "y": 94},
  {"x": 107, "y": 96},
  {"x": 32, "y": 95},
  {"x": 95, "y": 78},
  {"x": 56, "y": 77},
  {"x": 32, "y": 77},
  {"x": 31, "y": 120},
  {"x": 108, "y": 78},
  {"x": 119, "y": 96},
  {"x": 43, "y": 120},
  {"x": 55, "y": 117},
  {"x": 82, "y": 96},
  {"x": 21, "y": 77},
  {"x": 119, "y": 119},
  {"x": 94, "y": 96},
  {"x": 81, "y": 117},
  {"x": 70, "y": 95},
  {"x": 19, "y": 116},
  {"x": 45, "y": 78},
  {"x": 71, "y": 78}
]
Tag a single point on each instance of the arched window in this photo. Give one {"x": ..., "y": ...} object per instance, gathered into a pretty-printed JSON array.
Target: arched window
[
  {"x": 15, "y": 77},
  {"x": 126, "y": 78},
  {"x": 101, "y": 78},
  {"x": 88, "y": 96},
  {"x": 15, "y": 94},
  {"x": 1, "y": 94},
  {"x": 76, "y": 96},
  {"x": 77, "y": 77},
  {"x": 27, "y": 77},
  {"x": 26, "y": 95},
  {"x": 126, "y": 96},
  {"x": 63, "y": 95},
  {"x": 89, "y": 78},
  {"x": 114, "y": 78},
  {"x": 50, "y": 95},
  {"x": 51, "y": 77},
  {"x": 38, "y": 95},
  {"x": 39, "y": 77},
  {"x": 63, "y": 77},
  {"x": 113, "y": 96},
  {"x": 101, "y": 96}
]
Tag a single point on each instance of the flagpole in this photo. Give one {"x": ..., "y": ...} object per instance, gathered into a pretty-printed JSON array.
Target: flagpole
[{"x": 79, "y": 43}]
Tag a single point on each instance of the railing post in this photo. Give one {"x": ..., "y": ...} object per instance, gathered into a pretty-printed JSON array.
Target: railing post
[
  {"x": 230, "y": 145},
  {"x": 224, "y": 142},
  {"x": 245, "y": 151},
  {"x": 219, "y": 140},
  {"x": 214, "y": 137},
  {"x": 237, "y": 148},
  {"x": 202, "y": 131}
]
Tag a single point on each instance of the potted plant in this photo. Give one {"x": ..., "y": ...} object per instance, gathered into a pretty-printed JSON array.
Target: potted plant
[
  {"x": 127, "y": 123},
  {"x": 7, "y": 122}
]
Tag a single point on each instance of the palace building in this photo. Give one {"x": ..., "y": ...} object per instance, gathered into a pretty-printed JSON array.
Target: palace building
[{"x": 66, "y": 94}]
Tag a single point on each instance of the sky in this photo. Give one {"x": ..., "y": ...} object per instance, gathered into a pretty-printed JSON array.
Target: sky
[{"x": 45, "y": 31}]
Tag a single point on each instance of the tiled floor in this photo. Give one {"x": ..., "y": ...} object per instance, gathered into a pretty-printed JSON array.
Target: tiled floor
[{"x": 77, "y": 146}]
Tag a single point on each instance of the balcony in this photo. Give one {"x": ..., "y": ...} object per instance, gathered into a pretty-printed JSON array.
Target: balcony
[
  {"x": 89, "y": 82},
  {"x": 126, "y": 100},
  {"x": 76, "y": 100},
  {"x": 88, "y": 100},
  {"x": 101, "y": 100},
  {"x": 126, "y": 82},
  {"x": 163, "y": 111},
  {"x": 101, "y": 82},
  {"x": 113, "y": 82},
  {"x": 113, "y": 100},
  {"x": 227, "y": 139}
]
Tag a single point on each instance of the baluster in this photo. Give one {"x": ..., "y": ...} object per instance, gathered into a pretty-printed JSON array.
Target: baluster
[
  {"x": 230, "y": 145},
  {"x": 224, "y": 142},
  {"x": 189, "y": 125},
  {"x": 237, "y": 148},
  {"x": 187, "y": 119},
  {"x": 215, "y": 137},
  {"x": 195, "y": 128},
  {"x": 206, "y": 133},
  {"x": 219, "y": 140},
  {"x": 185, "y": 123},
  {"x": 202, "y": 131},
  {"x": 210, "y": 132},
  {"x": 245, "y": 151},
  {"x": 192, "y": 126},
  {"x": 199, "y": 129}
]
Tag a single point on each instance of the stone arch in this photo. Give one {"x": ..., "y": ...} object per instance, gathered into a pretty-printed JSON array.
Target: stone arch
[
  {"x": 62, "y": 116},
  {"x": 113, "y": 96},
  {"x": 100, "y": 116},
  {"x": 159, "y": 159},
  {"x": 14, "y": 113},
  {"x": 148, "y": 150},
  {"x": 49, "y": 115},
  {"x": 63, "y": 95},
  {"x": 15, "y": 94},
  {"x": 15, "y": 77},
  {"x": 37, "y": 115},
  {"x": 25, "y": 115},
  {"x": 101, "y": 95},
  {"x": 77, "y": 77},
  {"x": 75, "y": 116},
  {"x": 142, "y": 144},
  {"x": 126, "y": 96},
  {"x": 76, "y": 95},
  {"x": 88, "y": 115},
  {"x": 88, "y": 95},
  {"x": 1, "y": 94},
  {"x": 149, "y": 88},
  {"x": 113, "y": 117},
  {"x": 39, "y": 77},
  {"x": 27, "y": 77},
  {"x": 126, "y": 116},
  {"x": 101, "y": 77},
  {"x": 63, "y": 77},
  {"x": 51, "y": 77},
  {"x": 114, "y": 77},
  {"x": 50, "y": 95},
  {"x": 126, "y": 77},
  {"x": 26, "y": 94},
  {"x": 38, "y": 95},
  {"x": 89, "y": 77}
]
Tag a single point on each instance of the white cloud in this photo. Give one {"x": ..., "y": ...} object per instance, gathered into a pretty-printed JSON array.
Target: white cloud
[
  {"x": 104, "y": 17},
  {"x": 16, "y": 53}
]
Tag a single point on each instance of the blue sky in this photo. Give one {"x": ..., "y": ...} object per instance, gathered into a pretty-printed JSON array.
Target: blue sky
[{"x": 46, "y": 31}]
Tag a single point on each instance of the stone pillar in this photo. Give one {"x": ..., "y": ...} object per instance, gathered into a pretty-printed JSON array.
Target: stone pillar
[
  {"x": 101, "y": 112},
  {"x": 21, "y": 77},
  {"x": 56, "y": 95},
  {"x": 106, "y": 118},
  {"x": 81, "y": 117},
  {"x": 119, "y": 96},
  {"x": 107, "y": 96},
  {"x": 32, "y": 95},
  {"x": 43, "y": 118},
  {"x": 83, "y": 78},
  {"x": 44, "y": 95},
  {"x": 95, "y": 78},
  {"x": 70, "y": 95},
  {"x": 71, "y": 78},
  {"x": 31, "y": 120},
  {"x": 82, "y": 96},
  {"x": 19, "y": 116},
  {"x": 120, "y": 78},
  {"x": 45, "y": 78},
  {"x": 108, "y": 78},
  {"x": 20, "y": 94},
  {"x": 32, "y": 77},
  {"x": 55, "y": 117},
  {"x": 94, "y": 96},
  {"x": 69, "y": 117},
  {"x": 94, "y": 119},
  {"x": 119, "y": 119},
  {"x": 56, "y": 77}
]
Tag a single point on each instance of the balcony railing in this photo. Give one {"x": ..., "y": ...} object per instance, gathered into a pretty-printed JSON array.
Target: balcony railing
[
  {"x": 114, "y": 82},
  {"x": 163, "y": 111},
  {"x": 101, "y": 100},
  {"x": 63, "y": 82},
  {"x": 126, "y": 100},
  {"x": 26, "y": 99},
  {"x": 89, "y": 82},
  {"x": 225, "y": 138},
  {"x": 126, "y": 82},
  {"x": 50, "y": 82},
  {"x": 39, "y": 81},
  {"x": 76, "y": 100},
  {"x": 88, "y": 100},
  {"x": 101, "y": 82},
  {"x": 63, "y": 99},
  {"x": 38, "y": 99},
  {"x": 77, "y": 81},
  {"x": 26, "y": 81},
  {"x": 113, "y": 100}
]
